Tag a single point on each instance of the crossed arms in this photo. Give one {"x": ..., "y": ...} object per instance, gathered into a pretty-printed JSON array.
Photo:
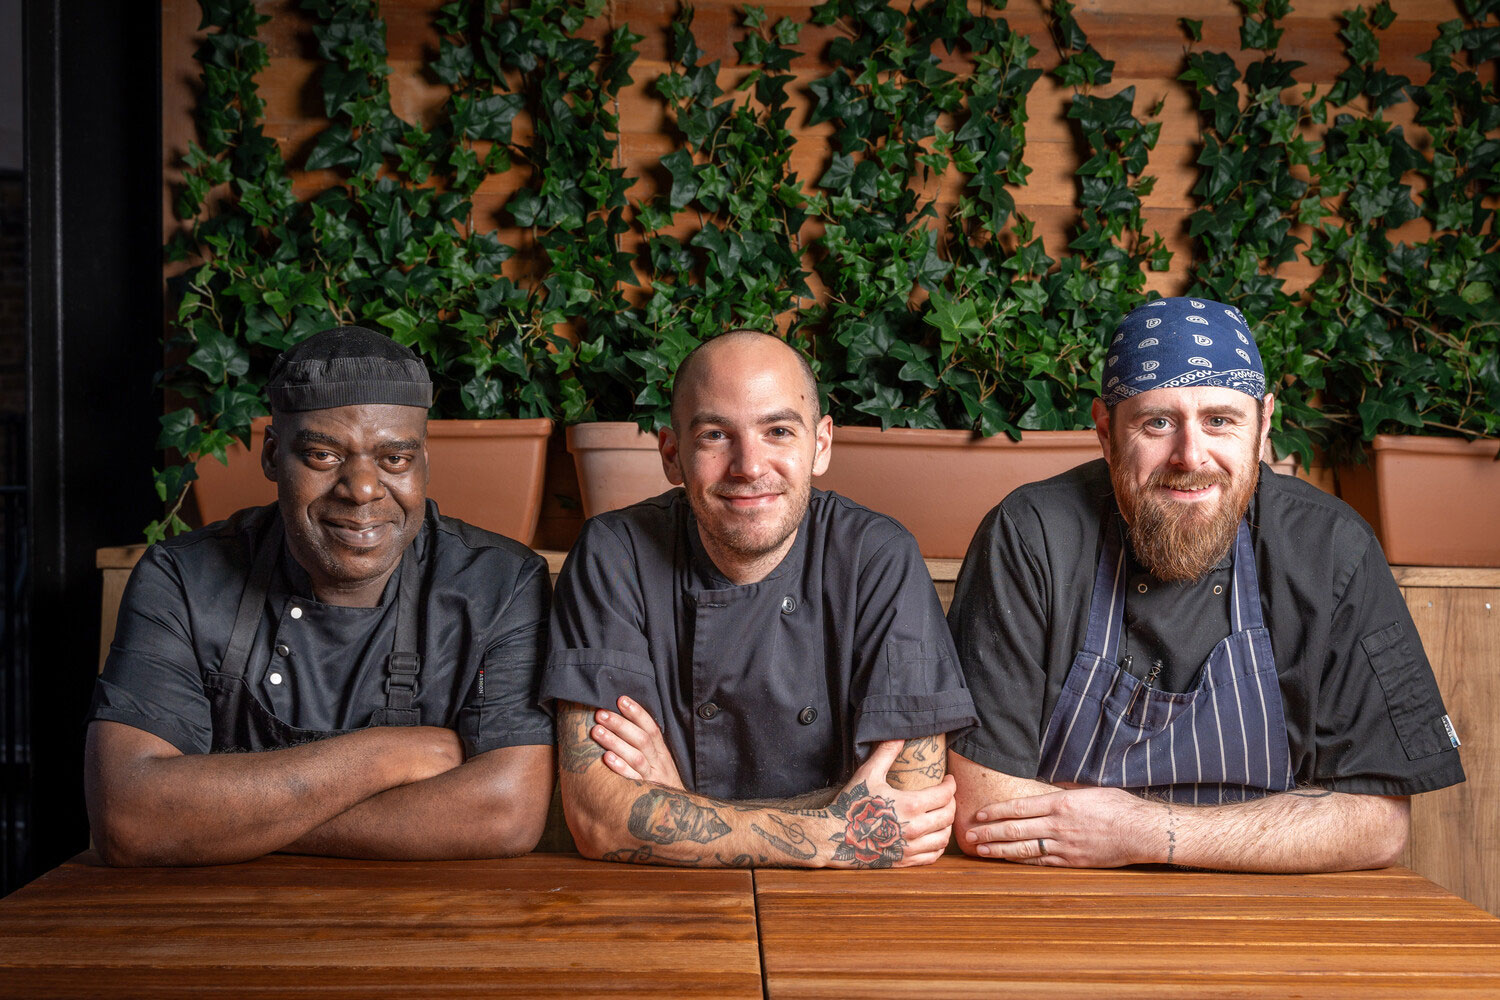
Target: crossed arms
[
  {"x": 1305, "y": 830},
  {"x": 896, "y": 811},
  {"x": 382, "y": 792}
]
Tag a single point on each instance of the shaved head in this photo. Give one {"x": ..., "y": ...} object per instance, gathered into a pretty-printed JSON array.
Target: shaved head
[{"x": 687, "y": 372}]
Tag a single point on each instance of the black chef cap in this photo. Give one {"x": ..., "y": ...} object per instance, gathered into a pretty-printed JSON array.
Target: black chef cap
[{"x": 347, "y": 366}]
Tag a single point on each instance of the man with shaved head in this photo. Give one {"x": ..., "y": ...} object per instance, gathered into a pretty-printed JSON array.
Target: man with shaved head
[{"x": 746, "y": 670}]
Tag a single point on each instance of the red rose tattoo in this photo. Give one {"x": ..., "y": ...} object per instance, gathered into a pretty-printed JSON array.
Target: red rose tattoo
[{"x": 871, "y": 837}]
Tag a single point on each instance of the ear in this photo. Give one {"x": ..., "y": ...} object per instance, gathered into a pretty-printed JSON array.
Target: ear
[
  {"x": 823, "y": 438},
  {"x": 1101, "y": 426},
  {"x": 270, "y": 453},
  {"x": 671, "y": 462},
  {"x": 1265, "y": 420}
]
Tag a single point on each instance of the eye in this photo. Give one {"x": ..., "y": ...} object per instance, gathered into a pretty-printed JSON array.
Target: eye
[
  {"x": 1218, "y": 421},
  {"x": 317, "y": 456},
  {"x": 1157, "y": 423},
  {"x": 397, "y": 463},
  {"x": 781, "y": 432},
  {"x": 712, "y": 435}
]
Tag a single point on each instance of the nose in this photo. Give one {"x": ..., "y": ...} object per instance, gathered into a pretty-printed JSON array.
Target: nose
[
  {"x": 1188, "y": 448},
  {"x": 359, "y": 481},
  {"x": 747, "y": 458}
]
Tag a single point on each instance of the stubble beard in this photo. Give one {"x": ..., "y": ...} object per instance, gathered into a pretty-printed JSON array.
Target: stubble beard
[
  {"x": 1176, "y": 541},
  {"x": 741, "y": 537}
]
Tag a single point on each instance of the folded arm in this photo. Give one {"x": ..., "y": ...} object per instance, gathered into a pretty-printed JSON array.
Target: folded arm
[
  {"x": 1304, "y": 830},
  {"x": 870, "y": 823},
  {"x": 492, "y": 806},
  {"x": 151, "y": 804}
]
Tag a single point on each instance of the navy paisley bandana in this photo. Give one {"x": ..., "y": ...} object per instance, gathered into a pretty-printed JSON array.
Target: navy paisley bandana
[{"x": 1180, "y": 343}]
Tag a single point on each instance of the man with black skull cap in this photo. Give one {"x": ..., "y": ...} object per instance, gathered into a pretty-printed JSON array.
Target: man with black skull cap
[
  {"x": 1178, "y": 656},
  {"x": 344, "y": 672}
]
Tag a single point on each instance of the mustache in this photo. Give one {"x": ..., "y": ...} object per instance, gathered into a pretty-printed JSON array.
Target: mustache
[
  {"x": 1164, "y": 479},
  {"x": 755, "y": 489}
]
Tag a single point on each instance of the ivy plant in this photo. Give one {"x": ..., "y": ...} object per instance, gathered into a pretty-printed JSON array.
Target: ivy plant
[
  {"x": 1414, "y": 324},
  {"x": 733, "y": 199}
]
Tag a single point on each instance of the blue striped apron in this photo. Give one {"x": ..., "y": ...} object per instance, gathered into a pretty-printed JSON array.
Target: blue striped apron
[{"x": 1222, "y": 741}]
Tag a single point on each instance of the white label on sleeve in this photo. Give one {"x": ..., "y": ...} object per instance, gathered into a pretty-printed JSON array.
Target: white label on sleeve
[{"x": 1452, "y": 733}]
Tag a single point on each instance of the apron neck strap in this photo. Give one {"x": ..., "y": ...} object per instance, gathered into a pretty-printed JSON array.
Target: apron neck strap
[
  {"x": 1107, "y": 607},
  {"x": 404, "y": 662},
  {"x": 253, "y": 599},
  {"x": 1244, "y": 604}
]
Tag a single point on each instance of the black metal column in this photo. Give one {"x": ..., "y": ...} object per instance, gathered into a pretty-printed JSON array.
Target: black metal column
[{"x": 93, "y": 141}]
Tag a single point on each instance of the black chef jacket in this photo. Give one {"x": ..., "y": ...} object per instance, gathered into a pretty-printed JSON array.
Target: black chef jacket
[
  {"x": 769, "y": 689},
  {"x": 1363, "y": 713},
  {"x": 317, "y": 666}
]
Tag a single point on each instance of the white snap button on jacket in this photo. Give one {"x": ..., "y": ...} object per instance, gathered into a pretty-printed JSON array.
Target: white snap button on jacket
[
  {"x": 296, "y": 612},
  {"x": 275, "y": 678}
]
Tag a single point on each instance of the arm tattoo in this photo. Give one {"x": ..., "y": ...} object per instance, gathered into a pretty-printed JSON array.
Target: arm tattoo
[
  {"x": 872, "y": 834},
  {"x": 1311, "y": 793},
  {"x": 1171, "y": 832},
  {"x": 924, "y": 749},
  {"x": 920, "y": 758},
  {"x": 576, "y": 750},
  {"x": 789, "y": 838},
  {"x": 663, "y": 816},
  {"x": 642, "y": 855}
]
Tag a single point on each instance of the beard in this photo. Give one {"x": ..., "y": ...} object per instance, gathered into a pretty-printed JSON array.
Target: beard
[
  {"x": 745, "y": 536},
  {"x": 1182, "y": 541}
]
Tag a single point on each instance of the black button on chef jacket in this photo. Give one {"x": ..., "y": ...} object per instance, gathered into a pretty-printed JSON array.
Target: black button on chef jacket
[
  {"x": 1363, "y": 712},
  {"x": 769, "y": 689},
  {"x": 481, "y": 633}
]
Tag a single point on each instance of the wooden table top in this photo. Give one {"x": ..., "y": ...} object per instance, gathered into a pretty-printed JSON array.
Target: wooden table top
[
  {"x": 969, "y": 928},
  {"x": 542, "y": 925},
  {"x": 553, "y": 925}
]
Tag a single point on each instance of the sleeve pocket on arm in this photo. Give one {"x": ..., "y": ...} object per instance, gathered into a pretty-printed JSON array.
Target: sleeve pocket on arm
[{"x": 1411, "y": 692}]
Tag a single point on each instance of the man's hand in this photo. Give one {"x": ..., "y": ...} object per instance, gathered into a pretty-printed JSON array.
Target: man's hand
[
  {"x": 634, "y": 746},
  {"x": 874, "y": 825},
  {"x": 1072, "y": 828}
]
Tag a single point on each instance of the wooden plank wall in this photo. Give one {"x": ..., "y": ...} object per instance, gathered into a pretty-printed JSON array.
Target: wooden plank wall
[
  {"x": 1142, "y": 37},
  {"x": 1455, "y": 832}
]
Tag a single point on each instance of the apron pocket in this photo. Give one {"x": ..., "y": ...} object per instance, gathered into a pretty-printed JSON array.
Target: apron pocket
[{"x": 1411, "y": 693}]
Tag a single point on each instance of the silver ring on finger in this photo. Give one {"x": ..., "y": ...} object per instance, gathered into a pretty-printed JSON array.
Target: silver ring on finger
[{"x": 1041, "y": 846}]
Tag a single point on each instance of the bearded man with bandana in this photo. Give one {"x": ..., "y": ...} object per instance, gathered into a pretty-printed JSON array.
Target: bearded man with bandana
[{"x": 1178, "y": 656}]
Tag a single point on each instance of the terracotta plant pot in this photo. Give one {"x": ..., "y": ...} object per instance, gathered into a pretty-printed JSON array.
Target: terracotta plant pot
[
  {"x": 486, "y": 472},
  {"x": 940, "y": 484},
  {"x": 1439, "y": 500},
  {"x": 617, "y": 463}
]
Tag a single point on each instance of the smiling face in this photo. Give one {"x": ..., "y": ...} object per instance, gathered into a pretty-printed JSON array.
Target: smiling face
[
  {"x": 351, "y": 483},
  {"x": 1184, "y": 463},
  {"x": 746, "y": 441}
]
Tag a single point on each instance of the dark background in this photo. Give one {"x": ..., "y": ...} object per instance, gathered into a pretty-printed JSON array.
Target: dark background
[{"x": 80, "y": 322}]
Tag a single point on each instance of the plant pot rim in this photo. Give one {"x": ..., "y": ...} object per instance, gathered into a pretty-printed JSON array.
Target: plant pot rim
[
  {"x": 498, "y": 427},
  {"x": 1432, "y": 443},
  {"x": 624, "y": 434},
  {"x": 446, "y": 427},
  {"x": 929, "y": 438}
]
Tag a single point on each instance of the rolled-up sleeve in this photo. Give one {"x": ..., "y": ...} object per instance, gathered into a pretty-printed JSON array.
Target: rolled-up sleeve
[
  {"x": 906, "y": 681},
  {"x": 151, "y": 678},
  {"x": 598, "y": 648},
  {"x": 503, "y": 707}
]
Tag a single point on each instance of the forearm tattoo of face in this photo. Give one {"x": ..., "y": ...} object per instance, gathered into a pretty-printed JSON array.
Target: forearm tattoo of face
[{"x": 663, "y": 816}]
